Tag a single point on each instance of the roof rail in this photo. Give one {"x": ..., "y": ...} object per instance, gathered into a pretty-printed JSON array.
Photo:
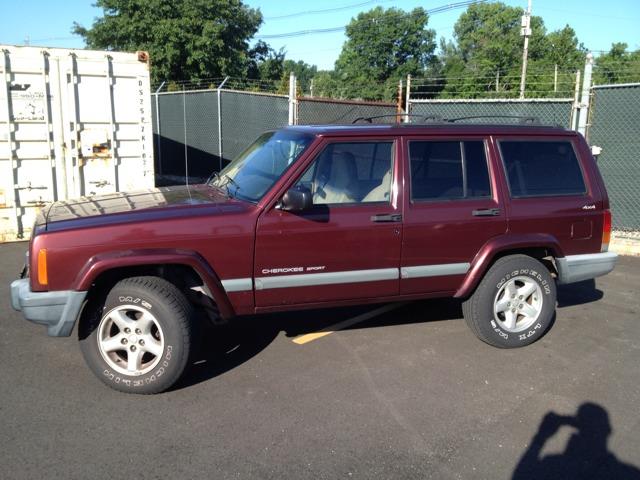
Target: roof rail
[
  {"x": 428, "y": 118},
  {"x": 523, "y": 119},
  {"x": 528, "y": 119}
]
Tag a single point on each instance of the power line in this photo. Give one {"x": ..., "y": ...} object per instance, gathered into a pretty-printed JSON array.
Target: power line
[
  {"x": 325, "y": 10},
  {"x": 299, "y": 33}
]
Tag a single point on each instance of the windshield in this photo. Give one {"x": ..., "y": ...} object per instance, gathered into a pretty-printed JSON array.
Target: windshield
[{"x": 255, "y": 170}]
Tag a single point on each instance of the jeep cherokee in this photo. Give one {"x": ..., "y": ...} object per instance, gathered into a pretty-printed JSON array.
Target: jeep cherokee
[{"x": 322, "y": 216}]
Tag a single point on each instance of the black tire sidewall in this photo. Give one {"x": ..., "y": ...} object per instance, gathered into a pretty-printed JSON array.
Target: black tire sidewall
[
  {"x": 173, "y": 320},
  {"x": 483, "y": 299}
]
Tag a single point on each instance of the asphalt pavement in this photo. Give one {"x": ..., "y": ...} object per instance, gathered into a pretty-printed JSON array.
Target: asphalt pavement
[{"x": 408, "y": 394}]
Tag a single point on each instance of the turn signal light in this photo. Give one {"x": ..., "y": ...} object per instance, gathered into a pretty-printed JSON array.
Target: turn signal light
[
  {"x": 43, "y": 278},
  {"x": 606, "y": 230}
]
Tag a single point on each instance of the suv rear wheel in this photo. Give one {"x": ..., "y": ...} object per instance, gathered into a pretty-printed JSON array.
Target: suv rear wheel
[
  {"x": 139, "y": 339},
  {"x": 514, "y": 304}
]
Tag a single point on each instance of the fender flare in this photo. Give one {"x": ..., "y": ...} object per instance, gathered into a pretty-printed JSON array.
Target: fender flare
[
  {"x": 502, "y": 243},
  {"x": 103, "y": 262}
]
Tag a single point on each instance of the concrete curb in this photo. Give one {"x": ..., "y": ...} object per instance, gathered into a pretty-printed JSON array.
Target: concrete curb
[{"x": 624, "y": 243}]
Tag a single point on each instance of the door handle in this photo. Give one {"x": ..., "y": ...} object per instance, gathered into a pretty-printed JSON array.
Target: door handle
[
  {"x": 386, "y": 217},
  {"x": 486, "y": 212}
]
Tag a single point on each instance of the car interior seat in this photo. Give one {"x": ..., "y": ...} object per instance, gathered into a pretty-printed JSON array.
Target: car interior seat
[{"x": 337, "y": 180}]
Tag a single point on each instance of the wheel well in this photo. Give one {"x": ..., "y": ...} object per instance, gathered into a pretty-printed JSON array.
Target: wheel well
[
  {"x": 184, "y": 277},
  {"x": 544, "y": 255}
]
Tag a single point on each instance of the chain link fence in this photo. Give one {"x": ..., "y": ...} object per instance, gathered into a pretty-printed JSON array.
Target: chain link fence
[
  {"x": 313, "y": 111},
  {"x": 199, "y": 132},
  {"x": 245, "y": 115},
  {"x": 547, "y": 111},
  {"x": 613, "y": 126}
]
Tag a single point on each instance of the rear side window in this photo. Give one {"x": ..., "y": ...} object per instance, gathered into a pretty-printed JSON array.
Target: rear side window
[
  {"x": 448, "y": 170},
  {"x": 542, "y": 168}
]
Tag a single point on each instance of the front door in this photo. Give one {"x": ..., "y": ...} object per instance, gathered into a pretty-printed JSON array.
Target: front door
[{"x": 347, "y": 246}]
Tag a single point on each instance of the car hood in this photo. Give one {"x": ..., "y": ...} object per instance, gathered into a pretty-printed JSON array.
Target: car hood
[{"x": 126, "y": 207}]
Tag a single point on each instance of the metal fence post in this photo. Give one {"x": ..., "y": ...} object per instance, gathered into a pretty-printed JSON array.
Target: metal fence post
[
  {"x": 292, "y": 99},
  {"x": 184, "y": 123},
  {"x": 575, "y": 106},
  {"x": 218, "y": 91},
  {"x": 159, "y": 142},
  {"x": 407, "y": 106},
  {"x": 585, "y": 97}
]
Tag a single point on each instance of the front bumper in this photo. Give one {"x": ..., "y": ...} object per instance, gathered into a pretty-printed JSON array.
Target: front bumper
[
  {"x": 57, "y": 310},
  {"x": 576, "y": 268}
]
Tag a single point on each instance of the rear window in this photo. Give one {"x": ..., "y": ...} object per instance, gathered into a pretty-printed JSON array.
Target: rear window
[{"x": 542, "y": 168}]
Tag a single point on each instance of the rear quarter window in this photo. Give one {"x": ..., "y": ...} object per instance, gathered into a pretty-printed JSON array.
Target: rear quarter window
[{"x": 542, "y": 168}]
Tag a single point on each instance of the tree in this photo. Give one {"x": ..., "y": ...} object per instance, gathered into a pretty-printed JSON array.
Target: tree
[
  {"x": 486, "y": 58},
  {"x": 186, "y": 39},
  {"x": 382, "y": 47},
  {"x": 265, "y": 63},
  {"x": 617, "y": 66},
  {"x": 488, "y": 41},
  {"x": 303, "y": 71},
  {"x": 325, "y": 84},
  {"x": 564, "y": 50}
]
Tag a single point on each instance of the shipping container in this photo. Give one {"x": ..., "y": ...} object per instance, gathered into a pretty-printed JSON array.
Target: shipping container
[{"x": 72, "y": 123}]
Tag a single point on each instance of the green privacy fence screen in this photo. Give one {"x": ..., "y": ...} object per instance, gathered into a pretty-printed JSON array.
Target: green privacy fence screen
[
  {"x": 548, "y": 111},
  {"x": 197, "y": 132},
  {"x": 614, "y": 126}
]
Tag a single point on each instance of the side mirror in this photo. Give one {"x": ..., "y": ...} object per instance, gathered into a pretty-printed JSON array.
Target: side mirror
[{"x": 297, "y": 199}]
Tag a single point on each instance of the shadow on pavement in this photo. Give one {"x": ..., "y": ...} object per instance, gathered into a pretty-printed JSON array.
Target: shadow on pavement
[
  {"x": 578, "y": 293},
  {"x": 586, "y": 455},
  {"x": 223, "y": 348},
  {"x": 226, "y": 347}
]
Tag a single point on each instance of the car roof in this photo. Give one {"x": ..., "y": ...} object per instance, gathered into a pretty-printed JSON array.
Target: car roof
[{"x": 432, "y": 128}]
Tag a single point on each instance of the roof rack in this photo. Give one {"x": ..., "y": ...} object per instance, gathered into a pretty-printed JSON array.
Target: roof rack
[
  {"x": 524, "y": 119},
  {"x": 369, "y": 119},
  {"x": 528, "y": 119}
]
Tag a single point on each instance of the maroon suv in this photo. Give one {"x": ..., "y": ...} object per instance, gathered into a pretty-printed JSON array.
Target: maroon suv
[{"x": 323, "y": 216}]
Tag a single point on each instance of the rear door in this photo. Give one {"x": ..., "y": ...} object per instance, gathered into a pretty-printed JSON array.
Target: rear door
[
  {"x": 348, "y": 245},
  {"x": 550, "y": 191},
  {"x": 453, "y": 207}
]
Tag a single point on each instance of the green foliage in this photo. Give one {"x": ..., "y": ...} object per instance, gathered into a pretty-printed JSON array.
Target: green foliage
[
  {"x": 486, "y": 59},
  {"x": 617, "y": 66},
  {"x": 186, "y": 39},
  {"x": 303, "y": 71},
  {"x": 325, "y": 84},
  {"x": 488, "y": 41},
  {"x": 382, "y": 47},
  {"x": 265, "y": 63},
  {"x": 563, "y": 48}
]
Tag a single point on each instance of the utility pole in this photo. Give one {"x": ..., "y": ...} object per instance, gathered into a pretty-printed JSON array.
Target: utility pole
[{"x": 525, "y": 31}]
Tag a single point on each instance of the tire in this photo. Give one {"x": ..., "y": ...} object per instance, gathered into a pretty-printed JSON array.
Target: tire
[
  {"x": 139, "y": 339},
  {"x": 514, "y": 304}
]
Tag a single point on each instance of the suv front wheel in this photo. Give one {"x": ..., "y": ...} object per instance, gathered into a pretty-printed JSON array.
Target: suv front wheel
[
  {"x": 514, "y": 304},
  {"x": 139, "y": 339}
]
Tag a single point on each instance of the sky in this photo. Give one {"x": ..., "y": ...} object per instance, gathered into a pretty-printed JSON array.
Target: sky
[{"x": 597, "y": 23}]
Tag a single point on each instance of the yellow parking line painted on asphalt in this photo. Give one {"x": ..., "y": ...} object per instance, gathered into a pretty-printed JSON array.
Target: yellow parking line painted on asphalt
[{"x": 310, "y": 337}]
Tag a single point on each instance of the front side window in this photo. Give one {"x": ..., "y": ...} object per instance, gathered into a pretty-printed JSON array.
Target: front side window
[
  {"x": 347, "y": 173},
  {"x": 255, "y": 170},
  {"x": 542, "y": 168},
  {"x": 448, "y": 170}
]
